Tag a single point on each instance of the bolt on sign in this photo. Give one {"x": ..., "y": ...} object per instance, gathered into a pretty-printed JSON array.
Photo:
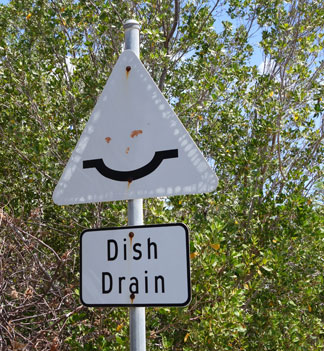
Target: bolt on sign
[
  {"x": 133, "y": 146},
  {"x": 135, "y": 266}
]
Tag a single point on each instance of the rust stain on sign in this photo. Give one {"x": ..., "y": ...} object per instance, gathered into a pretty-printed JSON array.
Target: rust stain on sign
[
  {"x": 128, "y": 68},
  {"x": 132, "y": 297},
  {"x": 127, "y": 150},
  {"x": 131, "y": 236},
  {"x": 129, "y": 182},
  {"x": 136, "y": 132},
  {"x": 108, "y": 139}
]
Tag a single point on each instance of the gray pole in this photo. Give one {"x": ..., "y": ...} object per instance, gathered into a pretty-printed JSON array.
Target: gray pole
[
  {"x": 132, "y": 36},
  {"x": 135, "y": 214}
]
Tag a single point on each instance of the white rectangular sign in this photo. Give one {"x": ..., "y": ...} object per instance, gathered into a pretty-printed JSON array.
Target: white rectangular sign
[{"x": 135, "y": 266}]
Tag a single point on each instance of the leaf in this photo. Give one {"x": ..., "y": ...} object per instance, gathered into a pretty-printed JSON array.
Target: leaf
[
  {"x": 14, "y": 294},
  {"x": 29, "y": 292},
  {"x": 186, "y": 337},
  {"x": 55, "y": 344},
  {"x": 119, "y": 340},
  {"x": 241, "y": 329},
  {"x": 194, "y": 254},
  {"x": 215, "y": 246},
  {"x": 268, "y": 269}
]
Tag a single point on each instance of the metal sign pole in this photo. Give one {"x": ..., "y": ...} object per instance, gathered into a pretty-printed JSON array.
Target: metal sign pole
[{"x": 135, "y": 214}]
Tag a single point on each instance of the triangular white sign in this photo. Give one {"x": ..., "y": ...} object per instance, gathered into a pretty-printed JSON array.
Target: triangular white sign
[{"x": 133, "y": 146}]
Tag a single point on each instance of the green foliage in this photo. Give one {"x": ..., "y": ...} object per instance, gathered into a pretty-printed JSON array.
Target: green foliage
[{"x": 256, "y": 243}]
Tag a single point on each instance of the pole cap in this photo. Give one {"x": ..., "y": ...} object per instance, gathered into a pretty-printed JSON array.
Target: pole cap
[{"x": 131, "y": 24}]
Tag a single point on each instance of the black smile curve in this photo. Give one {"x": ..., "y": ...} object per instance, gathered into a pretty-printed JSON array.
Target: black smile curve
[{"x": 129, "y": 176}]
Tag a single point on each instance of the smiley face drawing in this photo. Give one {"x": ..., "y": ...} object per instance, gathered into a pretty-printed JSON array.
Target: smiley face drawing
[
  {"x": 129, "y": 176},
  {"x": 133, "y": 145}
]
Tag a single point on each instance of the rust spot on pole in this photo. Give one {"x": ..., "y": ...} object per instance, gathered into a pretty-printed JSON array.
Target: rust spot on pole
[
  {"x": 132, "y": 297},
  {"x": 135, "y": 133},
  {"x": 108, "y": 139},
  {"x": 128, "y": 68}
]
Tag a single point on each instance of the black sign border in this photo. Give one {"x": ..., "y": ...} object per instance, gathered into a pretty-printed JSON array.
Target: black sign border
[{"x": 185, "y": 303}]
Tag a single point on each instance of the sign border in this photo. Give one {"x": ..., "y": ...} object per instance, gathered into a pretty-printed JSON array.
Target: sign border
[{"x": 185, "y": 303}]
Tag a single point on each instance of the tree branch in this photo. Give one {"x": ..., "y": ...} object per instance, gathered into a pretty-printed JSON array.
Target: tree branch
[{"x": 168, "y": 38}]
